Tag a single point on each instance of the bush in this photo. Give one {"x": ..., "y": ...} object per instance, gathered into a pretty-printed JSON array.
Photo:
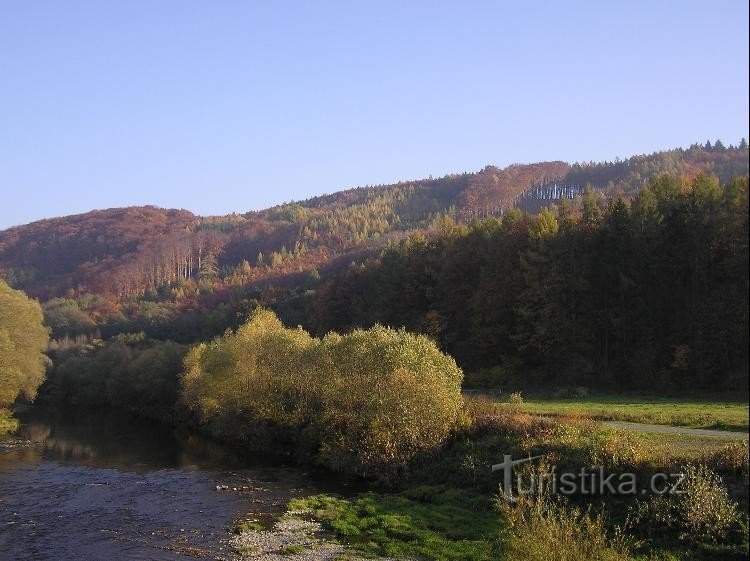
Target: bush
[
  {"x": 732, "y": 458},
  {"x": 368, "y": 402},
  {"x": 701, "y": 513},
  {"x": 254, "y": 374},
  {"x": 540, "y": 529},
  {"x": 8, "y": 424},
  {"x": 387, "y": 397},
  {"x": 489, "y": 416}
]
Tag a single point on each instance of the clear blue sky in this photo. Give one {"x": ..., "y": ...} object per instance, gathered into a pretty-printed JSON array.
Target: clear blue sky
[{"x": 220, "y": 106}]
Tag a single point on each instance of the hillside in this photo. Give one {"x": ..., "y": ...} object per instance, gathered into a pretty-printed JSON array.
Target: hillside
[{"x": 123, "y": 253}]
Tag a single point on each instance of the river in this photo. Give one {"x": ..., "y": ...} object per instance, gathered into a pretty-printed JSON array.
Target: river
[{"x": 111, "y": 489}]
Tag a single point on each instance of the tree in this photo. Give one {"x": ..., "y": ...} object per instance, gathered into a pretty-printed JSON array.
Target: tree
[
  {"x": 23, "y": 340},
  {"x": 591, "y": 212}
]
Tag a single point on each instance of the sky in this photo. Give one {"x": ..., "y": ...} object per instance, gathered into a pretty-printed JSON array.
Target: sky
[{"x": 227, "y": 106}]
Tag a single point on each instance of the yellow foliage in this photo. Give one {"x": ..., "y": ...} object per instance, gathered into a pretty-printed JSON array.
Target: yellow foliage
[
  {"x": 23, "y": 340},
  {"x": 376, "y": 398}
]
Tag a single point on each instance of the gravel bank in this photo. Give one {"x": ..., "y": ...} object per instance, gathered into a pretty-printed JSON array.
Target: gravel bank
[{"x": 292, "y": 539}]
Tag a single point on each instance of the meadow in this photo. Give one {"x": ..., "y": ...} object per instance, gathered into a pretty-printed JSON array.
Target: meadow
[{"x": 694, "y": 413}]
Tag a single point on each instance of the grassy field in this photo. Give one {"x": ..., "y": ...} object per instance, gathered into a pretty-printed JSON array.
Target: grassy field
[
  {"x": 721, "y": 415},
  {"x": 448, "y": 509}
]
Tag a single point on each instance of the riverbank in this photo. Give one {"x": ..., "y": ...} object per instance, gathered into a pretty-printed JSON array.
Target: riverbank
[
  {"x": 293, "y": 538},
  {"x": 449, "y": 508},
  {"x": 445, "y": 507}
]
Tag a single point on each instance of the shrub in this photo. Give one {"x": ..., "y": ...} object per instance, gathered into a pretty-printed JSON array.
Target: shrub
[
  {"x": 732, "y": 458},
  {"x": 254, "y": 374},
  {"x": 541, "y": 529},
  {"x": 7, "y": 423},
  {"x": 368, "y": 402},
  {"x": 701, "y": 512},
  {"x": 615, "y": 449},
  {"x": 388, "y": 396},
  {"x": 128, "y": 373},
  {"x": 489, "y": 416}
]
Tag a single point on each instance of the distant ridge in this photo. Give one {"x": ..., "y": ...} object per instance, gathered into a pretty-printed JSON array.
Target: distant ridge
[{"x": 121, "y": 252}]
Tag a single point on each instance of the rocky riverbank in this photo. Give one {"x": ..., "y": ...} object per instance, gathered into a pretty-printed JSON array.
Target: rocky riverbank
[{"x": 292, "y": 538}]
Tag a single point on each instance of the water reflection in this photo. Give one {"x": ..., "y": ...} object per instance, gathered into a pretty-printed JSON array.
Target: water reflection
[
  {"x": 121, "y": 443},
  {"x": 91, "y": 489}
]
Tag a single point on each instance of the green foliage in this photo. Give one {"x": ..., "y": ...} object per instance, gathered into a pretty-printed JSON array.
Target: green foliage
[
  {"x": 247, "y": 526},
  {"x": 368, "y": 402},
  {"x": 128, "y": 373},
  {"x": 291, "y": 212},
  {"x": 256, "y": 374},
  {"x": 23, "y": 340},
  {"x": 65, "y": 318},
  {"x": 387, "y": 397}
]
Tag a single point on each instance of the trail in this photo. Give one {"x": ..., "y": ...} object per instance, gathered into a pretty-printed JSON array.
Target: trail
[{"x": 669, "y": 429}]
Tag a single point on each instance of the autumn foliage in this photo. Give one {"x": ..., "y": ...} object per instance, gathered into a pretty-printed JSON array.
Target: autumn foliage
[{"x": 368, "y": 402}]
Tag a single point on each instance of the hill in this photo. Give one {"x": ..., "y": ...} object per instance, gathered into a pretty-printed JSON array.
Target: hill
[{"x": 129, "y": 252}]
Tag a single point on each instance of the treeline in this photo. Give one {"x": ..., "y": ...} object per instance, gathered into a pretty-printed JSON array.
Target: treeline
[
  {"x": 128, "y": 373},
  {"x": 650, "y": 295},
  {"x": 367, "y": 403}
]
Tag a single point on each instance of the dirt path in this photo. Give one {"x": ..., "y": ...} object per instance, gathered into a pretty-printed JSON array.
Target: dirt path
[{"x": 669, "y": 429}]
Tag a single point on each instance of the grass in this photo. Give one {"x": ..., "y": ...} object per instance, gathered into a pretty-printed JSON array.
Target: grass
[
  {"x": 292, "y": 550},
  {"x": 671, "y": 449},
  {"x": 721, "y": 415},
  {"x": 247, "y": 526},
  {"x": 445, "y": 529}
]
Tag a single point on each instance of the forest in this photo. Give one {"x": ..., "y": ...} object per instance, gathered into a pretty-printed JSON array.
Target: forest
[{"x": 650, "y": 294}]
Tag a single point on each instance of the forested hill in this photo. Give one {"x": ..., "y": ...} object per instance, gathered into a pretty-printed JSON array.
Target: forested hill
[
  {"x": 624, "y": 275},
  {"x": 133, "y": 252}
]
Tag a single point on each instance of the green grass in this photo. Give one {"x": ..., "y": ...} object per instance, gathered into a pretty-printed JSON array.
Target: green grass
[
  {"x": 247, "y": 526},
  {"x": 722, "y": 415},
  {"x": 292, "y": 550},
  {"x": 401, "y": 526}
]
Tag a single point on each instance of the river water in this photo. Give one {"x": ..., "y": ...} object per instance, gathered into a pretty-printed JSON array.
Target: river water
[{"x": 109, "y": 489}]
